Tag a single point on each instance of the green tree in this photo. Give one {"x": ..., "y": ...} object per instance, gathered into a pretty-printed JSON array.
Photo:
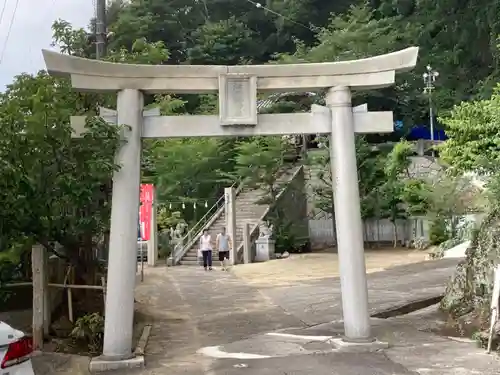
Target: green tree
[
  {"x": 224, "y": 42},
  {"x": 53, "y": 184},
  {"x": 396, "y": 170},
  {"x": 370, "y": 171},
  {"x": 416, "y": 197},
  {"x": 473, "y": 130},
  {"x": 450, "y": 199},
  {"x": 261, "y": 162},
  {"x": 190, "y": 171}
]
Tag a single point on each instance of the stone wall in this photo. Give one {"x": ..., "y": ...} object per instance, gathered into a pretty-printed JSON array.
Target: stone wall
[{"x": 293, "y": 204}]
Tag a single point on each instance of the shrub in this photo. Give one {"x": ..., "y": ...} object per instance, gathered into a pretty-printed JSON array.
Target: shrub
[
  {"x": 89, "y": 331},
  {"x": 438, "y": 231}
]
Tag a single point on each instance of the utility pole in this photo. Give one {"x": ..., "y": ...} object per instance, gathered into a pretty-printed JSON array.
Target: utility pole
[
  {"x": 100, "y": 29},
  {"x": 429, "y": 78}
]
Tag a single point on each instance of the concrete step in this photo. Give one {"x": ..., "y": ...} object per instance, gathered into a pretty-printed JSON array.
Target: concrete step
[{"x": 247, "y": 211}]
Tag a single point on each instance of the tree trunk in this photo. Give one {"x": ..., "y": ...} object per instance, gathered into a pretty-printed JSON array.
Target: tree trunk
[
  {"x": 414, "y": 225},
  {"x": 41, "y": 308},
  {"x": 334, "y": 226},
  {"x": 395, "y": 233},
  {"x": 378, "y": 233},
  {"x": 367, "y": 235}
]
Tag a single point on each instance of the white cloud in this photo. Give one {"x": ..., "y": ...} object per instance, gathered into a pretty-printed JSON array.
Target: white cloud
[{"x": 31, "y": 32}]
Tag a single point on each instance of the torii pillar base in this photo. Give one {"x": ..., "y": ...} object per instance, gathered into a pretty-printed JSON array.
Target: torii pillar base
[{"x": 102, "y": 364}]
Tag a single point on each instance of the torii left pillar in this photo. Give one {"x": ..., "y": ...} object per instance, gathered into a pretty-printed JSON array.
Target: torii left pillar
[{"x": 119, "y": 313}]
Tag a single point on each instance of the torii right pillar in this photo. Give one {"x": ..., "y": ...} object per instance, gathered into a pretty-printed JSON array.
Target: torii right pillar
[{"x": 348, "y": 217}]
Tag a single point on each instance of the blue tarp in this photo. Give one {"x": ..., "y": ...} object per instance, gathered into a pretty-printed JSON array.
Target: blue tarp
[{"x": 423, "y": 132}]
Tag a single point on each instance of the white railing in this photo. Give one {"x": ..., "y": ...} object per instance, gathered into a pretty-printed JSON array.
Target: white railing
[{"x": 206, "y": 221}]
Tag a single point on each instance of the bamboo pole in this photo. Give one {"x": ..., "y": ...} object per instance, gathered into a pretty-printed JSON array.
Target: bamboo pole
[
  {"x": 39, "y": 290},
  {"x": 103, "y": 282},
  {"x": 70, "y": 296},
  {"x": 54, "y": 285}
]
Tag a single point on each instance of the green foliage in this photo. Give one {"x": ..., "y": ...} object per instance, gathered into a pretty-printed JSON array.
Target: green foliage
[
  {"x": 224, "y": 42},
  {"x": 415, "y": 195},
  {"x": 260, "y": 162},
  {"x": 355, "y": 34},
  {"x": 398, "y": 160},
  {"x": 370, "y": 172},
  {"x": 167, "y": 219},
  {"x": 392, "y": 190},
  {"x": 89, "y": 331},
  {"x": 461, "y": 44},
  {"x": 185, "y": 170},
  {"x": 70, "y": 41},
  {"x": 141, "y": 52},
  {"x": 438, "y": 231},
  {"x": 451, "y": 198},
  {"x": 53, "y": 184},
  {"x": 165, "y": 245},
  {"x": 285, "y": 237},
  {"x": 473, "y": 129},
  {"x": 492, "y": 191}
]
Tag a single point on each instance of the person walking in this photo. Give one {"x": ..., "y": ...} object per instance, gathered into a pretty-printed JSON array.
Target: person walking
[
  {"x": 206, "y": 249},
  {"x": 223, "y": 244}
]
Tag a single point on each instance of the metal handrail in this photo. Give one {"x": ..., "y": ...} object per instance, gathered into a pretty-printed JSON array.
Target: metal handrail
[{"x": 192, "y": 235}]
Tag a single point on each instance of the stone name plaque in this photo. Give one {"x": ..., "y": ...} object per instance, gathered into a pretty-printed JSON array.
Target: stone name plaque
[{"x": 238, "y": 99}]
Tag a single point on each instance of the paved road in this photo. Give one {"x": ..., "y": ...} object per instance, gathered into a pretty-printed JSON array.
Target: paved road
[
  {"x": 215, "y": 311},
  {"x": 201, "y": 309}
]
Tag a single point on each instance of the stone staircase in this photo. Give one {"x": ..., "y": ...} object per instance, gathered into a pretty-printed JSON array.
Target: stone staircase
[{"x": 247, "y": 211}]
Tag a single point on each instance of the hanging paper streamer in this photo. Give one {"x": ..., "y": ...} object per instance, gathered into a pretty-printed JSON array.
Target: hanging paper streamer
[
  {"x": 170, "y": 206},
  {"x": 206, "y": 204},
  {"x": 194, "y": 206},
  {"x": 183, "y": 206}
]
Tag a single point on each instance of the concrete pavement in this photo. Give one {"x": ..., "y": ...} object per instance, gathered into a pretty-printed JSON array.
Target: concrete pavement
[
  {"x": 214, "y": 323},
  {"x": 318, "y": 265}
]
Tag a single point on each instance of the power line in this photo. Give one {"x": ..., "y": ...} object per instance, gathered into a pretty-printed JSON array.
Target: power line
[
  {"x": 260, "y": 6},
  {"x": 3, "y": 10},
  {"x": 12, "y": 19},
  {"x": 49, "y": 9}
]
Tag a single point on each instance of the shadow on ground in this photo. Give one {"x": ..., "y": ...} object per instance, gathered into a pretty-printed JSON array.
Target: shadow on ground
[{"x": 190, "y": 309}]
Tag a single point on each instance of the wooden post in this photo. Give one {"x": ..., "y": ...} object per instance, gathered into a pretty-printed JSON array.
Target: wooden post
[
  {"x": 70, "y": 296},
  {"x": 247, "y": 256},
  {"x": 103, "y": 283},
  {"x": 39, "y": 292},
  {"x": 47, "y": 306},
  {"x": 494, "y": 307},
  {"x": 153, "y": 236}
]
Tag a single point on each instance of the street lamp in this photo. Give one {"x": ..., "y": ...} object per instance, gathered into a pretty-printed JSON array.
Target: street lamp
[{"x": 430, "y": 77}]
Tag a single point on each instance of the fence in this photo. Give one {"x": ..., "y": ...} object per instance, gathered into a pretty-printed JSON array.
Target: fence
[{"x": 322, "y": 232}]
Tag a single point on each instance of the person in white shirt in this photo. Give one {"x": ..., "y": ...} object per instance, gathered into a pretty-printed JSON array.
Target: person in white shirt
[
  {"x": 223, "y": 244},
  {"x": 206, "y": 249}
]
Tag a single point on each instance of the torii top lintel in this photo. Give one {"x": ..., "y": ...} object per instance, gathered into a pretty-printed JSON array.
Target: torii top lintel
[{"x": 93, "y": 75}]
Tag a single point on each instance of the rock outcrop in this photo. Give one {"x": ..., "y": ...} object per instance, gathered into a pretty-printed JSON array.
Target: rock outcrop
[{"x": 468, "y": 295}]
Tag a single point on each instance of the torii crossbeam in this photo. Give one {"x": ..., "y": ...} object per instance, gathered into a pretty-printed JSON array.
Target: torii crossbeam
[{"x": 237, "y": 87}]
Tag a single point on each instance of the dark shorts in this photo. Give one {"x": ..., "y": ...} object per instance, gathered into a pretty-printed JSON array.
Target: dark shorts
[{"x": 223, "y": 255}]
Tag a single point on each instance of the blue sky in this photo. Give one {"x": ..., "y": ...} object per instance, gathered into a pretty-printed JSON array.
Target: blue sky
[{"x": 31, "y": 32}]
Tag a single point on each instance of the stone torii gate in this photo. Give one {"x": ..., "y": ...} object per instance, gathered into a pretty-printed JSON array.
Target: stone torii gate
[{"x": 237, "y": 87}]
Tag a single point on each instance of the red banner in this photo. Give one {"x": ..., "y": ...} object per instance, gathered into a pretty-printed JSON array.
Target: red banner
[{"x": 146, "y": 210}]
